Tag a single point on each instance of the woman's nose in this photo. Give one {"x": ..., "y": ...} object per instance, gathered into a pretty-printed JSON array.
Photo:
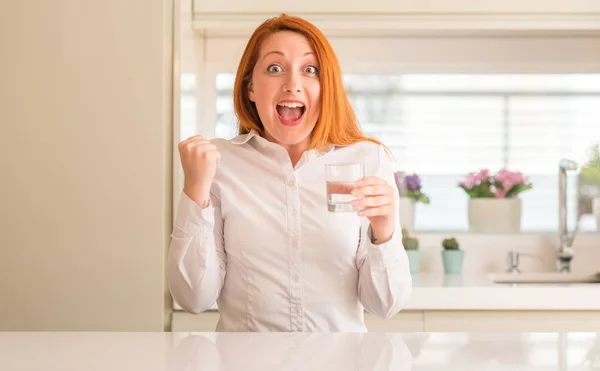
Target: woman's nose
[{"x": 293, "y": 85}]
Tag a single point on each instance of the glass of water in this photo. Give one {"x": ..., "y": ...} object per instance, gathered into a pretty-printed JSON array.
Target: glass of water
[{"x": 340, "y": 181}]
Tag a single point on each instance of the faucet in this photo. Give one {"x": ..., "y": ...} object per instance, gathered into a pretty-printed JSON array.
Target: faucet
[
  {"x": 564, "y": 253},
  {"x": 513, "y": 260}
]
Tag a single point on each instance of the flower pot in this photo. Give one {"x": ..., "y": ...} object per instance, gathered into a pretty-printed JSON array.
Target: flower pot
[
  {"x": 414, "y": 260},
  {"x": 453, "y": 261},
  {"x": 596, "y": 211},
  {"x": 407, "y": 207},
  {"x": 494, "y": 215}
]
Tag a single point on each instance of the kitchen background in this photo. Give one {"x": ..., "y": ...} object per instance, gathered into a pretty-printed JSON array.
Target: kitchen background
[
  {"x": 447, "y": 103},
  {"x": 97, "y": 95}
]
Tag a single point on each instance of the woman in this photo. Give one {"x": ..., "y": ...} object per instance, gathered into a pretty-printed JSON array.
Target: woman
[{"x": 252, "y": 230}]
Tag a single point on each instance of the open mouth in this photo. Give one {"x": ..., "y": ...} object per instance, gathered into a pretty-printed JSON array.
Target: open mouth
[{"x": 290, "y": 113}]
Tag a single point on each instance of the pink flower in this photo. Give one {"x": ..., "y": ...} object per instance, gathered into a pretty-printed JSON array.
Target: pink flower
[
  {"x": 505, "y": 182},
  {"x": 500, "y": 193},
  {"x": 484, "y": 175},
  {"x": 509, "y": 176},
  {"x": 507, "y": 179},
  {"x": 471, "y": 181},
  {"x": 475, "y": 179}
]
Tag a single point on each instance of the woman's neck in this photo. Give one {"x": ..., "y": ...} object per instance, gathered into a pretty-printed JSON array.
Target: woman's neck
[{"x": 295, "y": 151}]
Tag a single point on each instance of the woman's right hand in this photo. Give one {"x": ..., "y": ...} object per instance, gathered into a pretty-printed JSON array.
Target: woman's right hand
[{"x": 199, "y": 159}]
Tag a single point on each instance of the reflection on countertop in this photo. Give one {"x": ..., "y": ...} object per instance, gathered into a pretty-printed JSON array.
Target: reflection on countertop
[{"x": 298, "y": 351}]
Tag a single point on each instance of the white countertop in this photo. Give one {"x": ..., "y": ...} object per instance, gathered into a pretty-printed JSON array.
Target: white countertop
[
  {"x": 479, "y": 292},
  {"x": 120, "y": 351}
]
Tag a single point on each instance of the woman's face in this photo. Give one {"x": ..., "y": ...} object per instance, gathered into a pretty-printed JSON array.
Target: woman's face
[{"x": 285, "y": 88}]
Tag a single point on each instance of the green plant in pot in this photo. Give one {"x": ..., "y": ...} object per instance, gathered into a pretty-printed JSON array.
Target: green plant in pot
[
  {"x": 411, "y": 245},
  {"x": 591, "y": 170},
  {"x": 589, "y": 185},
  {"x": 452, "y": 256}
]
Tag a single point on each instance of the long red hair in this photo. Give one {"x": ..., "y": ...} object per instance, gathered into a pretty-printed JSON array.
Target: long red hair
[{"x": 337, "y": 123}]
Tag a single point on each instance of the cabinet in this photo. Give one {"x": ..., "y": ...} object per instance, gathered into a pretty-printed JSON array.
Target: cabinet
[
  {"x": 441, "y": 321},
  {"x": 384, "y": 17},
  {"x": 186, "y": 322},
  {"x": 406, "y": 321},
  {"x": 511, "y": 321},
  {"x": 395, "y": 6}
]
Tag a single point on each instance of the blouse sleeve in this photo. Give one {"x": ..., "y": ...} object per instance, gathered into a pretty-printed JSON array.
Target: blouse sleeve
[
  {"x": 196, "y": 257},
  {"x": 384, "y": 282}
]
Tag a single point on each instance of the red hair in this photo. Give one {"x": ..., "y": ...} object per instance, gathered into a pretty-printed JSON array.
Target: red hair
[{"x": 337, "y": 123}]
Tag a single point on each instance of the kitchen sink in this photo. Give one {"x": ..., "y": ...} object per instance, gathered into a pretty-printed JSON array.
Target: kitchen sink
[{"x": 545, "y": 277}]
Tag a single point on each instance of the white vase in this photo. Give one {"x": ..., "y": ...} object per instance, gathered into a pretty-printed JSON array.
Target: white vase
[
  {"x": 596, "y": 211},
  {"x": 407, "y": 213},
  {"x": 494, "y": 215}
]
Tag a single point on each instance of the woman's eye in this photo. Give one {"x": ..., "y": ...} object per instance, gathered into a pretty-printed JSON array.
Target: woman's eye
[
  {"x": 311, "y": 69},
  {"x": 274, "y": 68}
]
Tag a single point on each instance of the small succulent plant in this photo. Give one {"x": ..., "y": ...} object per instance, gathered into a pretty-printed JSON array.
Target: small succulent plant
[
  {"x": 450, "y": 244},
  {"x": 409, "y": 242}
]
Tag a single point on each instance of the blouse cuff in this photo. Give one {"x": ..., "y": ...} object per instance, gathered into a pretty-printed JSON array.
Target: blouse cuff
[
  {"x": 190, "y": 215},
  {"x": 388, "y": 254}
]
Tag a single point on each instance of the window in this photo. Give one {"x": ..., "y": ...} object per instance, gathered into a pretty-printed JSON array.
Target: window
[
  {"x": 442, "y": 126},
  {"x": 445, "y": 104}
]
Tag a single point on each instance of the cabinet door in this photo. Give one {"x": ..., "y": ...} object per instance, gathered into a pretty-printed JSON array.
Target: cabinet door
[
  {"x": 405, "y": 321},
  {"x": 186, "y": 322},
  {"x": 511, "y": 321}
]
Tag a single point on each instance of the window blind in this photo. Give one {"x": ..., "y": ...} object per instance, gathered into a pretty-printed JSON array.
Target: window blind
[{"x": 445, "y": 126}]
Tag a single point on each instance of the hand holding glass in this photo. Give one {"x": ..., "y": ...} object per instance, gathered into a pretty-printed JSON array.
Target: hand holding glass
[{"x": 340, "y": 180}]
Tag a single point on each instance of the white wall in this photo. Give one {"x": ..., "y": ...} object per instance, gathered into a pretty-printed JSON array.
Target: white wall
[{"x": 85, "y": 146}]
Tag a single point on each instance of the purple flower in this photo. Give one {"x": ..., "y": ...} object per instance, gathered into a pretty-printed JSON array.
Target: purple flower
[
  {"x": 413, "y": 182},
  {"x": 410, "y": 186}
]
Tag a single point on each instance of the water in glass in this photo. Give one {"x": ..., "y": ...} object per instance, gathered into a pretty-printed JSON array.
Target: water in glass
[{"x": 340, "y": 181}]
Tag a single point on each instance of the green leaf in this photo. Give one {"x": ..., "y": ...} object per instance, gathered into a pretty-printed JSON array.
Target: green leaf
[
  {"x": 424, "y": 199},
  {"x": 518, "y": 189}
]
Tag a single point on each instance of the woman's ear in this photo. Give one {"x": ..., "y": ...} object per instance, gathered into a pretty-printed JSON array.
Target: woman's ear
[{"x": 250, "y": 92}]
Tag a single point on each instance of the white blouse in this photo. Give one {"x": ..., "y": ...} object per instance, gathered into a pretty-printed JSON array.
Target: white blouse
[{"x": 271, "y": 255}]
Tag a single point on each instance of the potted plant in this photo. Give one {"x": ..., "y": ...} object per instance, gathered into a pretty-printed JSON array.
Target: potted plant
[
  {"x": 452, "y": 256},
  {"x": 411, "y": 245},
  {"x": 494, "y": 203},
  {"x": 409, "y": 189},
  {"x": 590, "y": 184}
]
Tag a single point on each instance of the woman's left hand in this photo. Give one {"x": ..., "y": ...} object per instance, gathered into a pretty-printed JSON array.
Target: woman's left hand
[{"x": 377, "y": 205}]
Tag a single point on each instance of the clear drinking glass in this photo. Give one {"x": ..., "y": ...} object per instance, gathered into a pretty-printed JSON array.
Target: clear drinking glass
[{"x": 340, "y": 181}]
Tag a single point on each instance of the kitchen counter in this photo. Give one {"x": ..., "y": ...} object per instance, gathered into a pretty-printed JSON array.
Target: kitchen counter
[
  {"x": 470, "y": 303},
  {"x": 480, "y": 292},
  {"x": 298, "y": 351}
]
